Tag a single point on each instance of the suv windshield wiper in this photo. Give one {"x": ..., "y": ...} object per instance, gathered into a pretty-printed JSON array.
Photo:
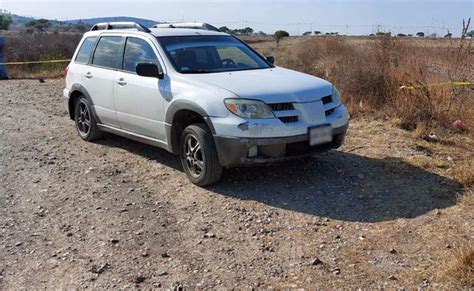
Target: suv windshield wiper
[{"x": 200, "y": 71}]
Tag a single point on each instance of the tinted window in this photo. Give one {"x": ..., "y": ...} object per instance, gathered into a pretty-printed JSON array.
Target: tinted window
[
  {"x": 209, "y": 54},
  {"x": 86, "y": 50},
  {"x": 137, "y": 51},
  {"x": 108, "y": 52},
  {"x": 229, "y": 54}
]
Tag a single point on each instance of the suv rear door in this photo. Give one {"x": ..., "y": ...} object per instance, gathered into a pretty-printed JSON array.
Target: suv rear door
[
  {"x": 81, "y": 61},
  {"x": 99, "y": 77},
  {"x": 139, "y": 100}
]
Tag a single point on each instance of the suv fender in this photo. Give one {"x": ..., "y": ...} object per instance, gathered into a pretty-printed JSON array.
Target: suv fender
[
  {"x": 76, "y": 91},
  {"x": 179, "y": 106}
]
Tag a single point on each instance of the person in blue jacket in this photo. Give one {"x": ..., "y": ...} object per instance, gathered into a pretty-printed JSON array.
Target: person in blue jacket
[{"x": 3, "y": 68}]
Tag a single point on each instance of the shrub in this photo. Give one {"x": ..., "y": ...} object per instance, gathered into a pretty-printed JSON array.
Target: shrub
[
  {"x": 369, "y": 73},
  {"x": 39, "y": 47}
]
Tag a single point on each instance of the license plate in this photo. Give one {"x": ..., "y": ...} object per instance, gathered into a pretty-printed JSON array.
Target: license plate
[{"x": 320, "y": 134}]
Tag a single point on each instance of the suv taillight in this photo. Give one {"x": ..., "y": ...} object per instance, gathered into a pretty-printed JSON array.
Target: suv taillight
[{"x": 65, "y": 71}]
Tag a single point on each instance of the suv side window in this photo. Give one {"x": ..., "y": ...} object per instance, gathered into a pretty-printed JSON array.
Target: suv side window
[
  {"x": 138, "y": 51},
  {"x": 108, "y": 52},
  {"x": 86, "y": 50}
]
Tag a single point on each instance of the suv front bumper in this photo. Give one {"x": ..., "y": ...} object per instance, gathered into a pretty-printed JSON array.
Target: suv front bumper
[{"x": 235, "y": 151}]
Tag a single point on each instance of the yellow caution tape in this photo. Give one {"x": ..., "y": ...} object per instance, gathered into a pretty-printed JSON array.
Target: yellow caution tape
[
  {"x": 35, "y": 62},
  {"x": 439, "y": 84}
]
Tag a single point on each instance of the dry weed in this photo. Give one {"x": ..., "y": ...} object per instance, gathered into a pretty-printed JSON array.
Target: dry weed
[{"x": 461, "y": 266}]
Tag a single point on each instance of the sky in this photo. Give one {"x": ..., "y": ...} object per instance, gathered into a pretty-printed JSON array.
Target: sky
[{"x": 352, "y": 17}]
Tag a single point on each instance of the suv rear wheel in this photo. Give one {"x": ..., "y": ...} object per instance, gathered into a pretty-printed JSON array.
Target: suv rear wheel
[
  {"x": 85, "y": 122},
  {"x": 199, "y": 155}
]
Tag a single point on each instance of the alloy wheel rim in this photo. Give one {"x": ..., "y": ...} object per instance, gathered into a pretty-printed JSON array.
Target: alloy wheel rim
[
  {"x": 193, "y": 155},
  {"x": 83, "y": 119}
]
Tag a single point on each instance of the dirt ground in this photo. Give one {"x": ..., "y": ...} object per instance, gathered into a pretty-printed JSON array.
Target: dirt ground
[{"x": 117, "y": 214}]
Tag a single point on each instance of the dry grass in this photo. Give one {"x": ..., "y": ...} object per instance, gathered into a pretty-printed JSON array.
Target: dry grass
[
  {"x": 370, "y": 74},
  {"x": 461, "y": 266},
  {"x": 464, "y": 172},
  {"x": 467, "y": 199},
  {"x": 39, "y": 47}
]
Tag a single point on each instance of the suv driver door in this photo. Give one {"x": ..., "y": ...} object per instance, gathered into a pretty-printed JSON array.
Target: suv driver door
[{"x": 138, "y": 100}]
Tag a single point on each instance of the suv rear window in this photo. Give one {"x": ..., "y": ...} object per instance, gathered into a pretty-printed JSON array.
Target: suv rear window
[
  {"x": 86, "y": 50},
  {"x": 108, "y": 53}
]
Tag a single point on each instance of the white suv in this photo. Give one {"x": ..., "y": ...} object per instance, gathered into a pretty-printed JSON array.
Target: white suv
[{"x": 202, "y": 94}]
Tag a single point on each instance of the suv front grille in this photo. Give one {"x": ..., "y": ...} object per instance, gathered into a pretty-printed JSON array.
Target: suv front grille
[
  {"x": 281, "y": 106},
  {"x": 327, "y": 99},
  {"x": 287, "y": 119}
]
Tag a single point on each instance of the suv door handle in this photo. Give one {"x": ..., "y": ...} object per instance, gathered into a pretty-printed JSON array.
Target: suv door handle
[
  {"x": 121, "y": 82},
  {"x": 88, "y": 75}
]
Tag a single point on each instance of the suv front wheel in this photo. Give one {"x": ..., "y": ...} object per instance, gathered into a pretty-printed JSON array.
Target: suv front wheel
[
  {"x": 199, "y": 155},
  {"x": 85, "y": 122}
]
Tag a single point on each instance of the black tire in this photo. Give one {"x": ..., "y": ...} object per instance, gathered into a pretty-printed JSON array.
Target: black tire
[
  {"x": 84, "y": 119},
  {"x": 202, "y": 165}
]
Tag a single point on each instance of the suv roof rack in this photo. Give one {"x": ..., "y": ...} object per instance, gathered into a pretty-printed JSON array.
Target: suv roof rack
[
  {"x": 189, "y": 25},
  {"x": 119, "y": 25}
]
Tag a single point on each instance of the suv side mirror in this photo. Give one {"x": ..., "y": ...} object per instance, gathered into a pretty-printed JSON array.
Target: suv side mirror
[
  {"x": 149, "y": 70},
  {"x": 270, "y": 59}
]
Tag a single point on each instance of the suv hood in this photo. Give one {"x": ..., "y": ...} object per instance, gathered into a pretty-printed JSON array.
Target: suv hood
[{"x": 269, "y": 85}]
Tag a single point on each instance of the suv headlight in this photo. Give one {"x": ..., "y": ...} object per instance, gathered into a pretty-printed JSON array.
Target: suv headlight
[
  {"x": 249, "y": 109},
  {"x": 336, "y": 96}
]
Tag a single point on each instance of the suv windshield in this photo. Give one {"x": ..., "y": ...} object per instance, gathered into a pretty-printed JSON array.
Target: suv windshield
[{"x": 210, "y": 54}]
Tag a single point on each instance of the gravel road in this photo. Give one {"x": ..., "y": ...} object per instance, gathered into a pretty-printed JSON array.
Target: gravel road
[{"x": 117, "y": 214}]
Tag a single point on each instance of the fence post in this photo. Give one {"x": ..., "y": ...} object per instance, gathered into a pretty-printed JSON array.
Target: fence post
[{"x": 3, "y": 68}]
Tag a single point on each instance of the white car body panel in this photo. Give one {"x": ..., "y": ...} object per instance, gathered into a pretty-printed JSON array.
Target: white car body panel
[
  {"x": 273, "y": 85},
  {"x": 140, "y": 105},
  {"x": 101, "y": 86}
]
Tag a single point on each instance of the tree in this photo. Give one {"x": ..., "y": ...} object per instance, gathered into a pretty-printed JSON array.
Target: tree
[
  {"x": 5, "y": 21},
  {"x": 39, "y": 24},
  {"x": 317, "y": 32},
  {"x": 280, "y": 34},
  {"x": 225, "y": 29},
  {"x": 401, "y": 35},
  {"x": 470, "y": 34},
  {"x": 307, "y": 33},
  {"x": 420, "y": 34},
  {"x": 381, "y": 33},
  {"x": 248, "y": 30},
  {"x": 244, "y": 31}
]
